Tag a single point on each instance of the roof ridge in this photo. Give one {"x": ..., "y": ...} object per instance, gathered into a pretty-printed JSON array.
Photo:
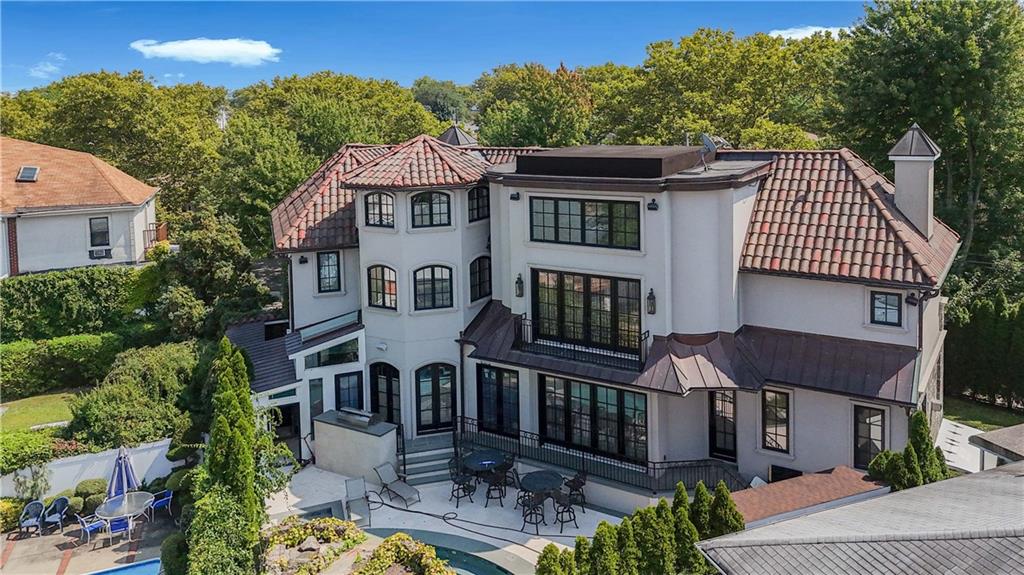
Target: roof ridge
[
  {"x": 103, "y": 174},
  {"x": 957, "y": 534},
  {"x": 440, "y": 148}
]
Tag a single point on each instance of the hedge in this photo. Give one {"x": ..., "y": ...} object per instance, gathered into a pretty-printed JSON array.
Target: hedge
[
  {"x": 88, "y": 487},
  {"x": 174, "y": 554},
  {"x": 20, "y": 449},
  {"x": 29, "y": 368},
  {"x": 10, "y": 510},
  {"x": 64, "y": 302},
  {"x": 985, "y": 356}
]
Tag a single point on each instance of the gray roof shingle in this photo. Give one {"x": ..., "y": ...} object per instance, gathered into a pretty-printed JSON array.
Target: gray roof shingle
[{"x": 271, "y": 366}]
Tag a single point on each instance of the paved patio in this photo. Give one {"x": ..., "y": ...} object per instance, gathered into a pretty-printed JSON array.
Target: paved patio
[{"x": 60, "y": 554}]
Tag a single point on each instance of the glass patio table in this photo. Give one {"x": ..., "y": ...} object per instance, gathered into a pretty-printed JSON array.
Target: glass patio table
[
  {"x": 129, "y": 505},
  {"x": 483, "y": 460}
]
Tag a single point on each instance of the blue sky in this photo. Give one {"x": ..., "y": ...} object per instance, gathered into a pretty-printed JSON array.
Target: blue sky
[{"x": 247, "y": 42}]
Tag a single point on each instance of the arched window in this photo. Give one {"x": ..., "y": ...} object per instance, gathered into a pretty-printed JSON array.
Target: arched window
[
  {"x": 479, "y": 203},
  {"x": 431, "y": 209},
  {"x": 382, "y": 287},
  {"x": 479, "y": 278},
  {"x": 380, "y": 210},
  {"x": 433, "y": 287}
]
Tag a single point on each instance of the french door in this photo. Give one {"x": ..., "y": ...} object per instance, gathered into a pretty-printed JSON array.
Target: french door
[
  {"x": 722, "y": 424},
  {"x": 385, "y": 396},
  {"x": 435, "y": 397}
]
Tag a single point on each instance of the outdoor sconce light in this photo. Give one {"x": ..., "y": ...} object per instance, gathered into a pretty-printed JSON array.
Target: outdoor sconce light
[
  {"x": 652, "y": 303},
  {"x": 652, "y": 205},
  {"x": 912, "y": 299},
  {"x": 514, "y": 196},
  {"x": 303, "y": 260},
  {"x": 519, "y": 285}
]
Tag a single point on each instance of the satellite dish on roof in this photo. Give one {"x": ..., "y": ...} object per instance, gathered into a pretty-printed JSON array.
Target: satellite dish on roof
[{"x": 709, "y": 144}]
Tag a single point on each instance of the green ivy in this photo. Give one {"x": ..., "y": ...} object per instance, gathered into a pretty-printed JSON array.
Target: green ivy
[{"x": 32, "y": 367}]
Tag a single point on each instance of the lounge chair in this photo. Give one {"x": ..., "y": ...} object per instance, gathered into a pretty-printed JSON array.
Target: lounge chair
[
  {"x": 31, "y": 517},
  {"x": 162, "y": 500},
  {"x": 56, "y": 512},
  {"x": 357, "y": 505},
  {"x": 89, "y": 525},
  {"x": 395, "y": 486}
]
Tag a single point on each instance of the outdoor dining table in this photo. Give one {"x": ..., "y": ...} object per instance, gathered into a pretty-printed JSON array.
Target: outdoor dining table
[
  {"x": 483, "y": 460},
  {"x": 543, "y": 482},
  {"x": 130, "y": 505}
]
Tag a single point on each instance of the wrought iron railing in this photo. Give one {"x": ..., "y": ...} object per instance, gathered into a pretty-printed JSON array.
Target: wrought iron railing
[
  {"x": 400, "y": 447},
  {"x": 528, "y": 338},
  {"x": 653, "y": 476}
]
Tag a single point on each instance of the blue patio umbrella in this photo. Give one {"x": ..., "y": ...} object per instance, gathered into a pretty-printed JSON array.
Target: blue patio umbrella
[{"x": 123, "y": 479}]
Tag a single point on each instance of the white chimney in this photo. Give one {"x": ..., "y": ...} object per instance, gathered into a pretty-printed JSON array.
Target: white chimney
[{"x": 914, "y": 156}]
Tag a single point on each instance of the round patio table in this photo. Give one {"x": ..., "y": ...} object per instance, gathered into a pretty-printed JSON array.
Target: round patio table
[
  {"x": 483, "y": 460},
  {"x": 130, "y": 505},
  {"x": 544, "y": 482}
]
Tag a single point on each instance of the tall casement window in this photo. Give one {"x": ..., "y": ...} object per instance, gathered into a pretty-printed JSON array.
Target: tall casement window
[
  {"x": 382, "y": 287},
  {"x": 497, "y": 399},
  {"x": 99, "y": 232},
  {"x": 598, "y": 311},
  {"x": 479, "y": 278},
  {"x": 435, "y": 397},
  {"x": 316, "y": 401},
  {"x": 594, "y": 418},
  {"x": 328, "y": 265},
  {"x": 348, "y": 390},
  {"x": 775, "y": 420},
  {"x": 886, "y": 308},
  {"x": 347, "y": 352},
  {"x": 431, "y": 209},
  {"x": 723, "y": 423},
  {"x": 479, "y": 203},
  {"x": 385, "y": 398},
  {"x": 433, "y": 287},
  {"x": 602, "y": 223},
  {"x": 380, "y": 210},
  {"x": 868, "y": 434}
]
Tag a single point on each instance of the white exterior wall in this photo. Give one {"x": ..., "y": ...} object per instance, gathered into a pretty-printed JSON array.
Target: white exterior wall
[
  {"x": 5, "y": 269},
  {"x": 308, "y": 305}
]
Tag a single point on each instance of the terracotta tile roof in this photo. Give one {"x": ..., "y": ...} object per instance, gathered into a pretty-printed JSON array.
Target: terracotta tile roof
[
  {"x": 502, "y": 155},
  {"x": 66, "y": 179},
  {"x": 422, "y": 162},
  {"x": 801, "y": 492},
  {"x": 827, "y": 214}
]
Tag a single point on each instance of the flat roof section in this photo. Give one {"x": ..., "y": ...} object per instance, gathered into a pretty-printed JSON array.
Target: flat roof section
[{"x": 611, "y": 161}]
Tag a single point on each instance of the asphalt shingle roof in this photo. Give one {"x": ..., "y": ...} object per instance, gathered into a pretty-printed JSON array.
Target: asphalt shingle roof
[
  {"x": 807, "y": 490},
  {"x": 271, "y": 366}
]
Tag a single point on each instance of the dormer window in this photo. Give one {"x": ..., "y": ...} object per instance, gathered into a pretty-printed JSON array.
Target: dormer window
[{"x": 27, "y": 174}]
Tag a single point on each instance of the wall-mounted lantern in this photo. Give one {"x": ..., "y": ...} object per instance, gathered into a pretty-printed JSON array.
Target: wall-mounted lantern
[
  {"x": 652, "y": 205},
  {"x": 912, "y": 299},
  {"x": 652, "y": 303},
  {"x": 514, "y": 196},
  {"x": 303, "y": 260},
  {"x": 519, "y": 285}
]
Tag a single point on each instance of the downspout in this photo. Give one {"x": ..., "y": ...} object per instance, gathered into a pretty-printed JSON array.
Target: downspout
[
  {"x": 924, "y": 296},
  {"x": 291, "y": 298},
  {"x": 460, "y": 409}
]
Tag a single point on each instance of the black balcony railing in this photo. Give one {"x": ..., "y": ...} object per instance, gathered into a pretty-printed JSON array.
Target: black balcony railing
[
  {"x": 529, "y": 338},
  {"x": 653, "y": 476}
]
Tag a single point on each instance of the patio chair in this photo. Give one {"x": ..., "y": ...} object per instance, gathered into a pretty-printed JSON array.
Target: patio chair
[
  {"x": 395, "y": 486},
  {"x": 511, "y": 475},
  {"x": 564, "y": 512},
  {"x": 533, "y": 513},
  {"x": 89, "y": 525},
  {"x": 118, "y": 526},
  {"x": 31, "y": 517},
  {"x": 357, "y": 505},
  {"x": 161, "y": 500},
  {"x": 56, "y": 512},
  {"x": 523, "y": 496},
  {"x": 495, "y": 487},
  {"x": 463, "y": 485},
  {"x": 575, "y": 485}
]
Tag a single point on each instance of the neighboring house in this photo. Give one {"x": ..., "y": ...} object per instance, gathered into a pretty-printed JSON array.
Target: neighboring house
[
  {"x": 653, "y": 313},
  {"x": 1001, "y": 445},
  {"x": 63, "y": 209},
  {"x": 968, "y": 524}
]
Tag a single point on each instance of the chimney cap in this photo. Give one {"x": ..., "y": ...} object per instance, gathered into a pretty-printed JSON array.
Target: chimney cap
[{"x": 915, "y": 144}]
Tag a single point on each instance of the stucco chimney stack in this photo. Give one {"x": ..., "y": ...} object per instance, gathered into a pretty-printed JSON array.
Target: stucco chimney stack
[{"x": 914, "y": 155}]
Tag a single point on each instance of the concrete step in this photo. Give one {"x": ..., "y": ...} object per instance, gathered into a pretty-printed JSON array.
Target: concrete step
[
  {"x": 427, "y": 467},
  {"x": 428, "y": 478},
  {"x": 432, "y": 455}
]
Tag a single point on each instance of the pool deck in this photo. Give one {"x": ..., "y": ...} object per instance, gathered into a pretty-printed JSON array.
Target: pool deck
[{"x": 60, "y": 554}]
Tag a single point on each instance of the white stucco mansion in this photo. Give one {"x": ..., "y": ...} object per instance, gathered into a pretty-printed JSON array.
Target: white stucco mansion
[{"x": 661, "y": 311}]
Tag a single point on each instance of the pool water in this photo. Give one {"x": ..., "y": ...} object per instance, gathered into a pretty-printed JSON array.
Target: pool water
[
  {"x": 469, "y": 564},
  {"x": 151, "y": 567}
]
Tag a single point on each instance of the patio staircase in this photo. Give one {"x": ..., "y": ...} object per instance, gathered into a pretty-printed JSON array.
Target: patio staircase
[{"x": 427, "y": 459}]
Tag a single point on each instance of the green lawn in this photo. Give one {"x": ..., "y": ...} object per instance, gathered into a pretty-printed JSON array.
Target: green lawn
[
  {"x": 979, "y": 415},
  {"x": 48, "y": 408}
]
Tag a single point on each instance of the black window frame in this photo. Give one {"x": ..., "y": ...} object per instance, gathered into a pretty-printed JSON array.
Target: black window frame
[
  {"x": 434, "y": 373},
  {"x": 326, "y": 356},
  {"x": 479, "y": 203},
  {"x": 320, "y": 271},
  {"x": 388, "y": 374},
  {"x": 434, "y": 291},
  {"x": 313, "y": 411},
  {"x": 359, "y": 389},
  {"x": 479, "y": 282},
  {"x": 587, "y": 423},
  {"x": 382, "y": 282},
  {"x": 432, "y": 214},
  {"x": 863, "y": 464},
  {"x": 506, "y": 409},
  {"x": 377, "y": 199},
  {"x": 93, "y": 244},
  {"x": 567, "y": 222},
  {"x": 886, "y": 295},
  {"x": 715, "y": 431},
  {"x": 616, "y": 336},
  {"x": 764, "y": 421}
]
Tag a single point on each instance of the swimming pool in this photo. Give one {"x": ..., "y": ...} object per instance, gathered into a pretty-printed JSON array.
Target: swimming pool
[
  {"x": 151, "y": 567},
  {"x": 468, "y": 564}
]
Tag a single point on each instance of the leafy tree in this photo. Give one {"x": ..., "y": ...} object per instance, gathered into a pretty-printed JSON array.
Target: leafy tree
[
  {"x": 680, "y": 499},
  {"x": 700, "y": 510},
  {"x": 550, "y": 561},
  {"x": 629, "y": 553},
  {"x": 322, "y": 125},
  {"x": 724, "y": 518},
  {"x": 896, "y": 472},
  {"x": 604, "y": 555},
  {"x": 940, "y": 458},
  {"x": 688, "y": 557},
  {"x": 581, "y": 555},
  {"x": 121, "y": 413},
  {"x": 879, "y": 465},
  {"x": 612, "y": 88},
  {"x": 912, "y": 468},
  {"x": 655, "y": 540},
  {"x": 183, "y": 312},
  {"x": 921, "y": 439},
  {"x": 26, "y": 114},
  {"x": 446, "y": 100},
  {"x": 768, "y": 135},
  {"x": 568, "y": 561},
  {"x": 218, "y": 542}
]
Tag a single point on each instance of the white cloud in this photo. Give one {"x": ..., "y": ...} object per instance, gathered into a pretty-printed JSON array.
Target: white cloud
[
  {"x": 49, "y": 66},
  {"x": 799, "y": 32},
  {"x": 177, "y": 76},
  {"x": 234, "y": 51}
]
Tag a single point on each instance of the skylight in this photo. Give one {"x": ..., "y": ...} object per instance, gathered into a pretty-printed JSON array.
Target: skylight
[{"x": 27, "y": 174}]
